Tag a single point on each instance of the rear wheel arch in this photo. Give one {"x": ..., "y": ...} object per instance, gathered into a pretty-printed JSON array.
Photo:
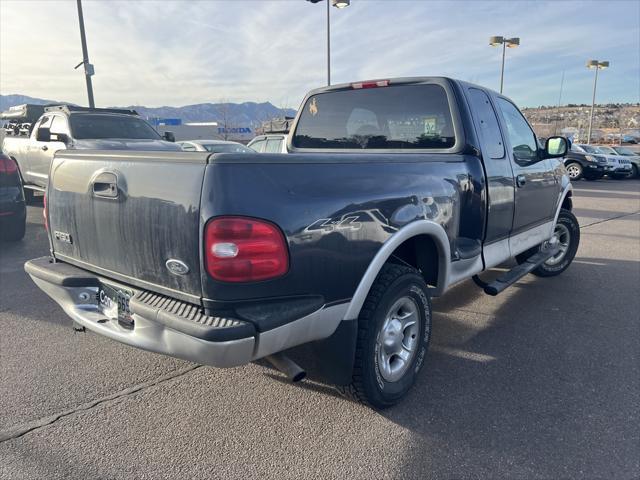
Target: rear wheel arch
[
  {"x": 421, "y": 253},
  {"x": 404, "y": 247}
]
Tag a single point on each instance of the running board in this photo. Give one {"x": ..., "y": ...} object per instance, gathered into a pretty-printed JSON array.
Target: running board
[{"x": 516, "y": 273}]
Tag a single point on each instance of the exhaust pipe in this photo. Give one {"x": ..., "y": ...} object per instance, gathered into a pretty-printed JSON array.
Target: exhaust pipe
[{"x": 291, "y": 369}]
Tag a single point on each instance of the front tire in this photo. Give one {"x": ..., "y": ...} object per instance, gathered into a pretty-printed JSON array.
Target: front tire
[
  {"x": 394, "y": 329},
  {"x": 634, "y": 171},
  {"x": 568, "y": 232},
  {"x": 574, "y": 170}
]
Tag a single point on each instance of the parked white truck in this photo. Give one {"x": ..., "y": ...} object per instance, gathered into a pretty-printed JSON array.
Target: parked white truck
[{"x": 78, "y": 128}]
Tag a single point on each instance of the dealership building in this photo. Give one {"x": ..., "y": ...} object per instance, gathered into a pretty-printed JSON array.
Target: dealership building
[{"x": 202, "y": 130}]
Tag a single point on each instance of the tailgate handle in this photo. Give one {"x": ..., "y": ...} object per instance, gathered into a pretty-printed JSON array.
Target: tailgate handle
[{"x": 106, "y": 185}]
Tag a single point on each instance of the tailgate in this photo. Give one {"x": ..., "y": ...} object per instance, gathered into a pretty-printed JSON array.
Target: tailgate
[{"x": 125, "y": 214}]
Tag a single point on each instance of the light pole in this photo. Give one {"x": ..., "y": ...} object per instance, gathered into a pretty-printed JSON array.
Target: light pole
[
  {"x": 506, "y": 43},
  {"x": 88, "y": 68},
  {"x": 337, "y": 4},
  {"x": 597, "y": 65}
]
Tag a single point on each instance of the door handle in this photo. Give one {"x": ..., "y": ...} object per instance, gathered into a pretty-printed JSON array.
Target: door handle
[
  {"x": 45, "y": 148},
  {"x": 521, "y": 180},
  {"x": 105, "y": 185}
]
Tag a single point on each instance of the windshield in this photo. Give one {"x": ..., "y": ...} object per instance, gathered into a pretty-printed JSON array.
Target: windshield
[
  {"x": 395, "y": 117},
  {"x": 607, "y": 150},
  {"x": 589, "y": 149},
  {"x": 226, "y": 148},
  {"x": 96, "y": 126},
  {"x": 625, "y": 151}
]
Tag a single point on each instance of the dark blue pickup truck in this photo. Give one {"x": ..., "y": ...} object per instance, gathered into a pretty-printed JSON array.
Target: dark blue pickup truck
[{"x": 392, "y": 191}]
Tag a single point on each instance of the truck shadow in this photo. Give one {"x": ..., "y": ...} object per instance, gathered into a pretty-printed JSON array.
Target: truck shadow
[
  {"x": 540, "y": 384},
  {"x": 547, "y": 378}
]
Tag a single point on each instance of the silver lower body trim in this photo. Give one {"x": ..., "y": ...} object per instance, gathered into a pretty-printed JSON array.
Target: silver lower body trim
[{"x": 315, "y": 326}]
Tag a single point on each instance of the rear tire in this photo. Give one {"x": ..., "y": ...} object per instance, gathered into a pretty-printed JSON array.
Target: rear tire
[
  {"x": 574, "y": 170},
  {"x": 394, "y": 329},
  {"x": 13, "y": 229}
]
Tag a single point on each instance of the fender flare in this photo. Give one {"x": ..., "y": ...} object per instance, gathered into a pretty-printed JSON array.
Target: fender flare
[
  {"x": 418, "y": 227},
  {"x": 565, "y": 191}
]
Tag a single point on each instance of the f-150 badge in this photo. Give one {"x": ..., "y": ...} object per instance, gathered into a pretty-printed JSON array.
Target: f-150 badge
[{"x": 63, "y": 237}]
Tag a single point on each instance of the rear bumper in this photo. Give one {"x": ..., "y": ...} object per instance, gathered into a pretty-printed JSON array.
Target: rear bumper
[
  {"x": 171, "y": 327},
  {"x": 155, "y": 329}
]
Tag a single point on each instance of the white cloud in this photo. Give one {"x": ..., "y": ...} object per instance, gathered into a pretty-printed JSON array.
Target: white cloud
[{"x": 176, "y": 53}]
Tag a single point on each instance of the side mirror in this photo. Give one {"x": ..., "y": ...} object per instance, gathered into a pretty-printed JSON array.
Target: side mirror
[
  {"x": 62, "y": 137},
  {"x": 169, "y": 136},
  {"x": 43, "y": 134},
  {"x": 556, "y": 147}
]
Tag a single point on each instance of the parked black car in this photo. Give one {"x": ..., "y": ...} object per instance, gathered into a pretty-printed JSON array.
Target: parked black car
[
  {"x": 13, "y": 213},
  {"x": 582, "y": 165}
]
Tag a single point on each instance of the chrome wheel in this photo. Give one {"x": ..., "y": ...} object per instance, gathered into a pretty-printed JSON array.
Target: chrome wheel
[
  {"x": 398, "y": 339},
  {"x": 574, "y": 171},
  {"x": 564, "y": 239}
]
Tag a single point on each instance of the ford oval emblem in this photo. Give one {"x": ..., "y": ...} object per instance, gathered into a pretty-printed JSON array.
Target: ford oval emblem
[{"x": 177, "y": 267}]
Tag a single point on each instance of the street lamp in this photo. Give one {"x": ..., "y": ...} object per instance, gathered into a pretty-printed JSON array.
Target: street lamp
[
  {"x": 88, "y": 68},
  {"x": 596, "y": 65},
  {"x": 506, "y": 43},
  {"x": 338, "y": 4}
]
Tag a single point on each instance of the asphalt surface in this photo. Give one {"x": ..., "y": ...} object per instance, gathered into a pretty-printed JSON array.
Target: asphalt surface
[{"x": 542, "y": 381}]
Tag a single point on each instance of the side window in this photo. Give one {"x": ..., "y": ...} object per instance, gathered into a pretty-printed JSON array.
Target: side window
[
  {"x": 59, "y": 125},
  {"x": 486, "y": 123},
  {"x": 257, "y": 146},
  {"x": 274, "y": 145},
  {"x": 522, "y": 139},
  {"x": 45, "y": 122}
]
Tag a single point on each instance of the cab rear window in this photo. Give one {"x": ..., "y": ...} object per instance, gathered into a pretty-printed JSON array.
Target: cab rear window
[{"x": 394, "y": 117}]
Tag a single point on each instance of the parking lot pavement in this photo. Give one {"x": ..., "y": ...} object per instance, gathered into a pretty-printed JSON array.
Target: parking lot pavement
[{"x": 541, "y": 381}]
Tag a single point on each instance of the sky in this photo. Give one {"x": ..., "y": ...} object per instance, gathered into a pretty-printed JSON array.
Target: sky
[{"x": 176, "y": 53}]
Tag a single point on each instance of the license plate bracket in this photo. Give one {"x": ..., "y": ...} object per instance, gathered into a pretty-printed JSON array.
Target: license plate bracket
[{"x": 114, "y": 304}]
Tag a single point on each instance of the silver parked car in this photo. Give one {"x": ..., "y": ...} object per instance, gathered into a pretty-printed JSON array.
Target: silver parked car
[
  {"x": 625, "y": 167},
  {"x": 633, "y": 157},
  {"x": 213, "y": 146},
  {"x": 270, "y": 143}
]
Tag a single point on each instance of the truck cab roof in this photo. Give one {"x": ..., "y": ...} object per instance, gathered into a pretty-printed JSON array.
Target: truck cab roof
[{"x": 69, "y": 109}]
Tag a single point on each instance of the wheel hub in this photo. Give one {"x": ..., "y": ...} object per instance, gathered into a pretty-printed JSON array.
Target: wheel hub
[
  {"x": 573, "y": 171},
  {"x": 562, "y": 236},
  {"x": 398, "y": 339}
]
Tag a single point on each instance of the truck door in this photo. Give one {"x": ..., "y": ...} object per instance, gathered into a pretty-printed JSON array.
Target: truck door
[
  {"x": 536, "y": 187},
  {"x": 35, "y": 151},
  {"x": 500, "y": 186},
  {"x": 42, "y": 156}
]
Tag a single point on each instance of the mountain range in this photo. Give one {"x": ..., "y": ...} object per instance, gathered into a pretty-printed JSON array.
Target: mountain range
[{"x": 246, "y": 113}]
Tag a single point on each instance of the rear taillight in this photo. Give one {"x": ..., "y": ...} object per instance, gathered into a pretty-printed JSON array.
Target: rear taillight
[
  {"x": 239, "y": 249},
  {"x": 7, "y": 166},
  {"x": 45, "y": 212}
]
